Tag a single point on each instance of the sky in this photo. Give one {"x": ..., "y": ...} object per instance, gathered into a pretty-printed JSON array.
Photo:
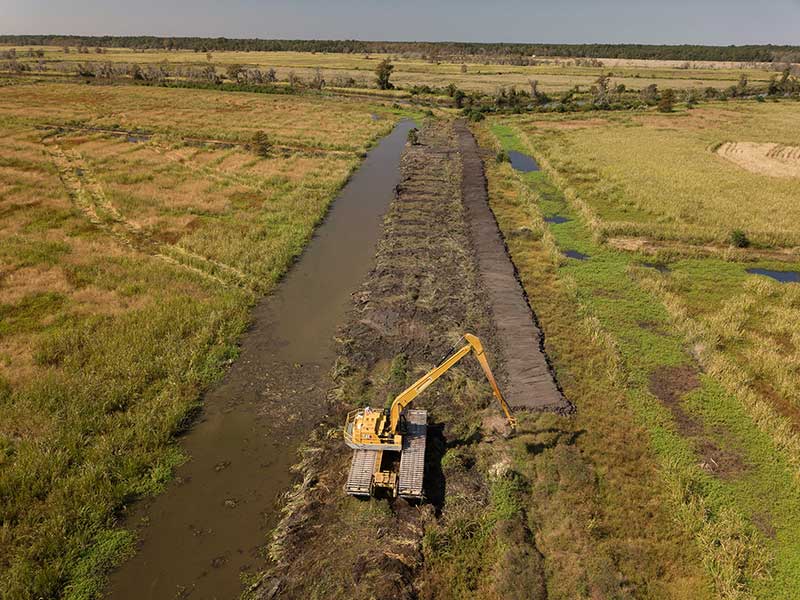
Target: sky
[{"x": 717, "y": 22}]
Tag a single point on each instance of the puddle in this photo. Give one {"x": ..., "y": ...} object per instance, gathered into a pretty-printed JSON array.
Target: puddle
[
  {"x": 782, "y": 276},
  {"x": 212, "y": 523},
  {"x": 522, "y": 162},
  {"x": 576, "y": 255},
  {"x": 135, "y": 138},
  {"x": 556, "y": 219},
  {"x": 195, "y": 143},
  {"x": 660, "y": 267}
]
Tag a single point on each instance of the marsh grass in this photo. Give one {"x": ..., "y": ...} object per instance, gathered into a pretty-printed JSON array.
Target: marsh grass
[{"x": 633, "y": 329}]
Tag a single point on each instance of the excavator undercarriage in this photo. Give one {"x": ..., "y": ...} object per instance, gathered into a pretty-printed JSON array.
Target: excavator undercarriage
[{"x": 389, "y": 445}]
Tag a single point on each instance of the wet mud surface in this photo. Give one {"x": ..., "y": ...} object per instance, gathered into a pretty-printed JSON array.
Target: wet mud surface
[
  {"x": 670, "y": 385},
  {"x": 212, "y": 523}
]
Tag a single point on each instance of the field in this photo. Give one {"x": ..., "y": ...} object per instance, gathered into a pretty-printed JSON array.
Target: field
[
  {"x": 141, "y": 225},
  {"x": 128, "y": 266},
  {"x": 661, "y": 176},
  {"x": 705, "y": 351},
  {"x": 553, "y": 75}
]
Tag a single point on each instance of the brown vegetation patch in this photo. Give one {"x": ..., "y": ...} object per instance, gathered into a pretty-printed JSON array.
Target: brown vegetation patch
[
  {"x": 29, "y": 280},
  {"x": 774, "y": 160},
  {"x": 670, "y": 385},
  {"x": 678, "y": 248}
]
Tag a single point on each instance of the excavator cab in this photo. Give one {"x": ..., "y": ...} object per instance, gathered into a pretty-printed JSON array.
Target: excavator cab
[{"x": 378, "y": 436}]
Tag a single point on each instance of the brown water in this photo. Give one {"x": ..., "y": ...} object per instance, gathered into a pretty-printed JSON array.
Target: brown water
[{"x": 213, "y": 522}]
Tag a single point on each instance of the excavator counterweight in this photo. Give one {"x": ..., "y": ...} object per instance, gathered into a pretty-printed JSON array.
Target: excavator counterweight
[{"x": 377, "y": 436}]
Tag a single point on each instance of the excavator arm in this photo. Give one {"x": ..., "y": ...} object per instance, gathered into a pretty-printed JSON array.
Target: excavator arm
[{"x": 454, "y": 357}]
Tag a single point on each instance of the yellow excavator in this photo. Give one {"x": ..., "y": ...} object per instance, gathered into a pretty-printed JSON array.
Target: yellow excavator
[{"x": 389, "y": 444}]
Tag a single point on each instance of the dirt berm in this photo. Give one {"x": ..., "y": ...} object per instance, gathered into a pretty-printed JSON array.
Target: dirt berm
[{"x": 428, "y": 286}]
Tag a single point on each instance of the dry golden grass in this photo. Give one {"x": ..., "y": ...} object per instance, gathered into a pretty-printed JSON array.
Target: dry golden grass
[
  {"x": 298, "y": 121},
  {"x": 775, "y": 160},
  {"x": 657, "y": 176}
]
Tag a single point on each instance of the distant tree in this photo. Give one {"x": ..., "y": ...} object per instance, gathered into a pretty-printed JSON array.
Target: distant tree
[
  {"x": 650, "y": 93},
  {"x": 317, "y": 81},
  {"x": 382, "y": 74},
  {"x": 40, "y": 53},
  {"x": 261, "y": 144},
  {"x": 458, "y": 98},
  {"x": 741, "y": 87},
  {"x": 233, "y": 71},
  {"x": 463, "y": 68},
  {"x": 601, "y": 94},
  {"x": 292, "y": 79},
  {"x": 135, "y": 72},
  {"x": 271, "y": 76},
  {"x": 667, "y": 101},
  {"x": 209, "y": 56}
]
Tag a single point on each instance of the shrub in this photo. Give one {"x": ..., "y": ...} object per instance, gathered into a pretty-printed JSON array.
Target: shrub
[
  {"x": 382, "y": 74},
  {"x": 667, "y": 101},
  {"x": 413, "y": 136},
  {"x": 502, "y": 157},
  {"x": 261, "y": 144},
  {"x": 739, "y": 239}
]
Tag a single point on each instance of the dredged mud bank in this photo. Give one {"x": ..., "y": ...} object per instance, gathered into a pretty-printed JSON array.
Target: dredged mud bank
[
  {"x": 471, "y": 537},
  {"x": 209, "y": 527}
]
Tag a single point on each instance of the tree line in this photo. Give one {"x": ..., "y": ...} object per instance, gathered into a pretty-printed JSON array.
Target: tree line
[{"x": 442, "y": 50}]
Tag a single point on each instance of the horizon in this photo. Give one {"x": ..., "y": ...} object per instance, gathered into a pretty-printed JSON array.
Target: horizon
[{"x": 706, "y": 23}]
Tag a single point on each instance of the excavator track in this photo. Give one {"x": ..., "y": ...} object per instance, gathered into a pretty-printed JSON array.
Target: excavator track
[
  {"x": 359, "y": 480},
  {"x": 412, "y": 458}
]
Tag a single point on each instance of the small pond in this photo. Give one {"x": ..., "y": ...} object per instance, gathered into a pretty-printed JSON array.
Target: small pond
[
  {"x": 782, "y": 276},
  {"x": 556, "y": 219},
  {"x": 522, "y": 162}
]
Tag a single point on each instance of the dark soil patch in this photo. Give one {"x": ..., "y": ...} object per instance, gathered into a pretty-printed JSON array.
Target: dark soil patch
[
  {"x": 531, "y": 382},
  {"x": 670, "y": 385}
]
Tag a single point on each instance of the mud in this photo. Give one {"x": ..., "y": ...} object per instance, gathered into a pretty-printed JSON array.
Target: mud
[
  {"x": 531, "y": 384},
  {"x": 423, "y": 293},
  {"x": 576, "y": 255},
  {"x": 660, "y": 267},
  {"x": 210, "y": 526},
  {"x": 670, "y": 385}
]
